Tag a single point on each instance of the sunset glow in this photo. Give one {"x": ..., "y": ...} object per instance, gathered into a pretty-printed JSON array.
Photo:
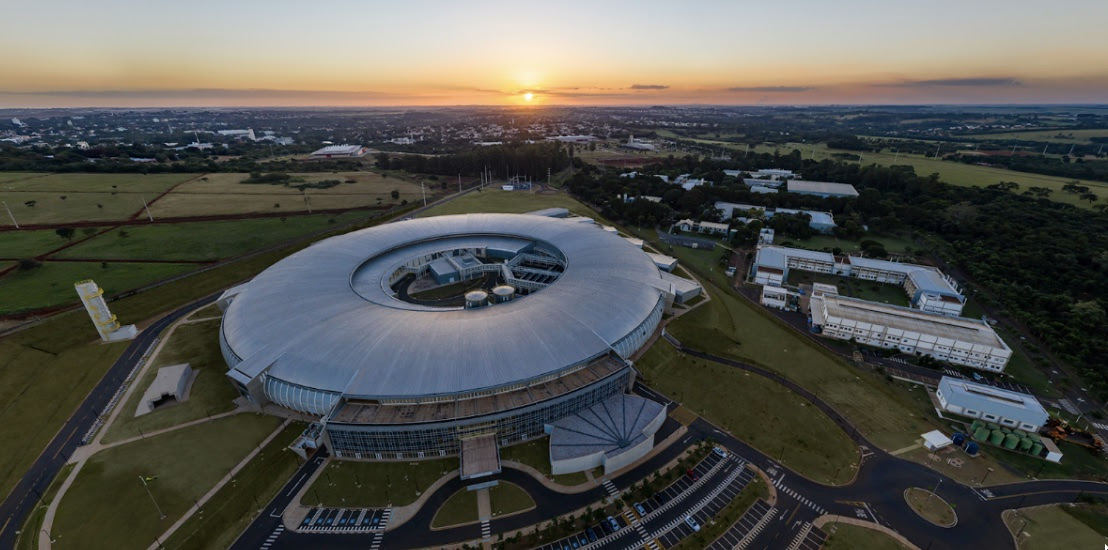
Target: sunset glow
[{"x": 123, "y": 52}]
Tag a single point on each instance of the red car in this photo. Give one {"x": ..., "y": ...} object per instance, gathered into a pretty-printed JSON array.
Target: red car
[{"x": 692, "y": 474}]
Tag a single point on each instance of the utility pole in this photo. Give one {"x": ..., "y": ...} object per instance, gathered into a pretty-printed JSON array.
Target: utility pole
[
  {"x": 308, "y": 202},
  {"x": 151, "y": 495},
  {"x": 10, "y": 215},
  {"x": 459, "y": 183},
  {"x": 424, "y": 190},
  {"x": 144, "y": 205},
  {"x": 896, "y": 156}
]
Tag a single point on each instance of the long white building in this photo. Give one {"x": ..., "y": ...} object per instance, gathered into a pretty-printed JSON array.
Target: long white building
[
  {"x": 956, "y": 340},
  {"x": 928, "y": 288}
]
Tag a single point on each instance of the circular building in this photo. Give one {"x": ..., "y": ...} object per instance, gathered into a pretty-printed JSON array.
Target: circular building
[{"x": 333, "y": 332}]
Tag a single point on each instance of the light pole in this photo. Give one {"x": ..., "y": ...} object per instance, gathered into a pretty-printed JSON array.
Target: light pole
[
  {"x": 151, "y": 495},
  {"x": 986, "y": 476},
  {"x": 10, "y": 215}
]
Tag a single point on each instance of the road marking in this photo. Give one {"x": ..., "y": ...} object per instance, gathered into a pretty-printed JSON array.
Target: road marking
[{"x": 293, "y": 488}]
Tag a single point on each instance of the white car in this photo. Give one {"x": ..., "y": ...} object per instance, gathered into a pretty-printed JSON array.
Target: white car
[
  {"x": 692, "y": 523},
  {"x": 722, "y": 453}
]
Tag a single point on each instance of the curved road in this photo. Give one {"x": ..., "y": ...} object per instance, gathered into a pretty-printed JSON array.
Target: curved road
[{"x": 22, "y": 499}]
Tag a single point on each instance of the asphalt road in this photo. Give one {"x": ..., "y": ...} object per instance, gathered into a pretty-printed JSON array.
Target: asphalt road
[{"x": 22, "y": 499}]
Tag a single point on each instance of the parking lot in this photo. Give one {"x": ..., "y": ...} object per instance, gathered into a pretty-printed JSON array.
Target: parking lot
[
  {"x": 703, "y": 514},
  {"x": 746, "y": 527},
  {"x": 808, "y": 538},
  {"x": 592, "y": 533},
  {"x": 344, "y": 520}
]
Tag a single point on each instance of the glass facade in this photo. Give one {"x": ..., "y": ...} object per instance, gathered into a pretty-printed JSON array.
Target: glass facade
[
  {"x": 299, "y": 398},
  {"x": 441, "y": 438}
]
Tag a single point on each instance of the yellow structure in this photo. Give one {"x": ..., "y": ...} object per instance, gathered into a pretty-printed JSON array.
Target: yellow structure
[{"x": 109, "y": 328}]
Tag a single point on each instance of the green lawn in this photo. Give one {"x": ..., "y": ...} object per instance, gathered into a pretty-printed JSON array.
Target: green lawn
[
  {"x": 32, "y": 242},
  {"x": 198, "y": 345},
  {"x": 51, "y": 284},
  {"x": 197, "y": 241},
  {"x": 28, "y": 535},
  {"x": 894, "y": 245},
  {"x": 930, "y": 506},
  {"x": 536, "y": 454},
  {"x": 356, "y": 484},
  {"x": 47, "y": 370},
  {"x": 857, "y": 288},
  {"x": 1050, "y": 527},
  {"x": 460, "y": 508},
  {"x": 50, "y": 207},
  {"x": 730, "y": 326},
  {"x": 508, "y": 498},
  {"x": 232, "y": 509},
  {"x": 107, "y": 505},
  {"x": 844, "y": 536},
  {"x": 512, "y": 202},
  {"x": 1095, "y": 515},
  {"x": 206, "y": 312},
  {"x": 777, "y": 421},
  {"x": 7, "y": 177}
]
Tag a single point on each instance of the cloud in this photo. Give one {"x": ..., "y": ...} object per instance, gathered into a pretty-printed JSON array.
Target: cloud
[
  {"x": 782, "y": 89},
  {"x": 972, "y": 82},
  {"x": 210, "y": 93},
  {"x": 649, "y": 87}
]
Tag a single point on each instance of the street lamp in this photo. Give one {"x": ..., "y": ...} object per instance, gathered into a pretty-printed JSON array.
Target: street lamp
[
  {"x": 151, "y": 495},
  {"x": 986, "y": 476}
]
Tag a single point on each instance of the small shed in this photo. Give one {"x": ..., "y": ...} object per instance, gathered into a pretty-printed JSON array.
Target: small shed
[{"x": 935, "y": 440}]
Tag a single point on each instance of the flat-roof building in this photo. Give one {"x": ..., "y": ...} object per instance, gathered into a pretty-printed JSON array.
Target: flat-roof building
[
  {"x": 823, "y": 222},
  {"x": 821, "y": 188},
  {"x": 340, "y": 151},
  {"x": 928, "y": 288},
  {"x": 958, "y": 340},
  {"x": 992, "y": 404}
]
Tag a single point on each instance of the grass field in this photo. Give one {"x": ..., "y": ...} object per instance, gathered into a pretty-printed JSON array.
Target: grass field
[
  {"x": 50, "y": 207},
  {"x": 857, "y": 288},
  {"x": 51, "y": 283},
  {"x": 460, "y": 508},
  {"x": 196, "y": 241},
  {"x": 536, "y": 454},
  {"x": 844, "y": 536},
  {"x": 1049, "y": 528},
  {"x": 508, "y": 498},
  {"x": 1068, "y": 136},
  {"x": 214, "y": 194},
  {"x": 47, "y": 370},
  {"x": 511, "y": 202},
  {"x": 894, "y": 245},
  {"x": 107, "y": 506},
  {"x": 930, "y": 506},
  {"x": 150, "y": 184},
  {"x": 354, "y": 484},
  {"x": 30, "y": 243},
  {"x": 1095, "y": 515},
  {"x": 7, "y": 177},
  {"x": 777, "y": 421},
  {"x": 232, "y": 509},
  {"x": 198, "y": 345},
  {"x": 728, "y": 325}
]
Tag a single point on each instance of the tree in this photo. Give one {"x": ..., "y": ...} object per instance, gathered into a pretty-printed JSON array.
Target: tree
[
  {"x": 30, "y": 204},
  {"x": 395, "y": 194},
  {"x": 65, "y": 232},
  {"x": 27, "y": 264}
]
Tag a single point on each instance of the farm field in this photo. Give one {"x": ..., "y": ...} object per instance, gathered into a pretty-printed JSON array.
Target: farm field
[
  {"x": 28, "y": 243},
  {"x": 220, "y": 194},
  {"x": 51, "y": 284},
  {"x": 150, "y": 184},
  {"x": 48, "y": 207},
  {"x": 199, "y": 241},
  {"x": 1064, "y": 135},
  {"x": 510, "y": 202}
]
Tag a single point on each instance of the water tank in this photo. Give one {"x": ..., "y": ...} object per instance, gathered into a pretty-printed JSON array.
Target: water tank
[
  {"x": 476, "y": 298},
  {"x": 976, "y": 425},
  {"x": 503, "y": 293},
  {"x": 1025, "y": 444},
  {"x": 1010, "y": 441},
  {"x": 958, "y": 438},
  {"x": 981, "y": 434},
  {"x": 1037, "y": 449},
  {"x": 971, "y": 448},
  {"x": 996, "y": 437}
]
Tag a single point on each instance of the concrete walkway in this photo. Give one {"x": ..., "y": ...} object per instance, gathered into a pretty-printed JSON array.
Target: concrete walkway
[{"x": 226, "y": 479}]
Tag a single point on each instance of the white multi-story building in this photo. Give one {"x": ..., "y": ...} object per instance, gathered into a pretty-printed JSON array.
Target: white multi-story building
[
  {"x": 956, "y": 340},
  {"x": 710, "y": 228},
  {"x": 780, "y": 298}
]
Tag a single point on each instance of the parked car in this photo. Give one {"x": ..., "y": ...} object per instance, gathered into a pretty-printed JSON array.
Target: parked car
[
  {"x": 722, "y": 453},
  {"x": 692, "y": 474},
  {"x": 640, "y": 509},
  {"x": 591, "y": 534},
  {"x": 692, "y": 523},
  {"x": 612, "y": 522}
]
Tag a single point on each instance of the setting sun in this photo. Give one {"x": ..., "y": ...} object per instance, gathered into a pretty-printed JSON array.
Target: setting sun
[{"x": 528, "y": 96}]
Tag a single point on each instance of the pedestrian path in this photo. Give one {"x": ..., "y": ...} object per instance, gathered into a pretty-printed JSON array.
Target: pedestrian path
[
  {"x": 273, "y": 537},
  {"x": 610, "y": 487},
  {"x": 800, "y": 498}
]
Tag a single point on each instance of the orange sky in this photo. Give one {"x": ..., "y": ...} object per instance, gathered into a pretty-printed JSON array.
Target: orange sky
[{"x": 202, "y": 53}]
